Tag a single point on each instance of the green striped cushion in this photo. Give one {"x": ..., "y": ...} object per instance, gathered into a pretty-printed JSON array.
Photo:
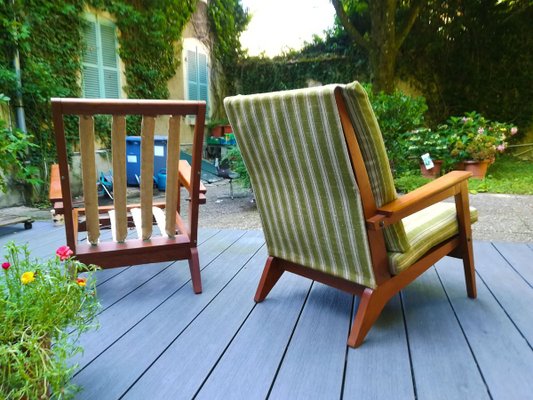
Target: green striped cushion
[
  {"x": 426, "y": 229},
  {"x": 294, "y": 149},
  {"x": 375, "y": 158}
]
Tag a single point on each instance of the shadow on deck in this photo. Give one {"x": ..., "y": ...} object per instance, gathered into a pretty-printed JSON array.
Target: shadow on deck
[{"x": 158, "y": 340}]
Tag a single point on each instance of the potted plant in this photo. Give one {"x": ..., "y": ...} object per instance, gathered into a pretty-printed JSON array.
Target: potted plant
[
  {"x": 429, "y": 147},
  {"x": 474, "y": 141},
  {"x": 44, "y": 307},
  {"x": 217, "y": 128}
]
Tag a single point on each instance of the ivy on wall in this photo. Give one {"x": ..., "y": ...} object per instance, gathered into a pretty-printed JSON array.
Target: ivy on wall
[
  {"x": 227, "y": 20},
  {"x": 49, "y": 37}
]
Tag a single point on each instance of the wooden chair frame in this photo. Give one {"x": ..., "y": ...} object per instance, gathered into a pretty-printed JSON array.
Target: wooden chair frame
[
  {"x": 135, "y": 251},
  {"x": 373, "y": 300}
]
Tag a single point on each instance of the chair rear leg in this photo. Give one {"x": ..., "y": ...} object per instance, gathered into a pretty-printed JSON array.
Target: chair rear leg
[
  {"x": 270, "y": 276},
  {"x": 194, "y": 267},
  {"x": 370, "y": 307},
  {"x": 470, "y": 270}
]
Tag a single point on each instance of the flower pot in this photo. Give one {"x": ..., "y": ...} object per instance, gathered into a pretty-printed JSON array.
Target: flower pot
[
  {"x": 431, "y": 173},
  {"x": 217, "y": 131},
  {"x": 478, "y": 168}
]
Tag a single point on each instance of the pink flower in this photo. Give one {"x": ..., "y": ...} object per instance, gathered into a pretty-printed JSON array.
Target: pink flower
[
  {"x": 64, "y": 253},
  {"x": 6, "y": 265},
  {"x": 514, "y": 130},
  {"x": 500, "y": 148},
  {"x": 480, "y": 131}
]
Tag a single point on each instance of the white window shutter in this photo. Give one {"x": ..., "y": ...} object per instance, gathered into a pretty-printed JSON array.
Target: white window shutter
[{"x": 91, "y": 77}]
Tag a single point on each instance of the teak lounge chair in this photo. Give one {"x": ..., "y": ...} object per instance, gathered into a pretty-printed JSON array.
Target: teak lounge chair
[
  {"x": 328, "y": 204},
  {"x": 177, "y": 240}
]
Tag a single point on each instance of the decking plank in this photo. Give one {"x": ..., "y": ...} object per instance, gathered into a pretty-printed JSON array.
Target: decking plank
[
  {"x": 442, "y": 363},
  {"x": 503, "y": 355},
  {"x": 110, "y": 375},
  {"x": 384, "y": 353},
  {"x": 203, "y": 342},
  {"x": 509, "y": 288},
  {"x": 519, "y": 256},
  {"x": 313, "y": 365},
  {"x": 122, "y": 316},
  {"x": 248, "y": 366},
  {"x": 118, "y": 286}
]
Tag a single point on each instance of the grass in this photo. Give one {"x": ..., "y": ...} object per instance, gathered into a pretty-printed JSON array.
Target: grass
[{"x": 507, "y": 175}]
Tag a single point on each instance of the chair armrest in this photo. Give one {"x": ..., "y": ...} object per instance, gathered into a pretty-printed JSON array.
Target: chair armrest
[
  {"x": 185, "y": 176},
  {"x": 431, "y": 193},
  {"x": 55, "y": 184}
]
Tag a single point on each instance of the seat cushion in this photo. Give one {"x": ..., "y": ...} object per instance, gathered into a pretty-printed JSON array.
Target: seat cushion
[{"x": 425, "y": 229}]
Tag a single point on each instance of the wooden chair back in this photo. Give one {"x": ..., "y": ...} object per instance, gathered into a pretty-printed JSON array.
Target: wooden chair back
[{"x": 177, "y": 238}]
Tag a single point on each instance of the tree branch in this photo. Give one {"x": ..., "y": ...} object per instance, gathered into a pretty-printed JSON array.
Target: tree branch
[
  {"x": 350, "y": 29},
  {"x": 413, "y": 15}
]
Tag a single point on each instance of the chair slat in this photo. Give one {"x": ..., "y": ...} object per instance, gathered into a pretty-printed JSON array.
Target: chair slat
[
  {"x": 147, "y": 174},
  {"x": 88, "y": 167},
  {"x": 173, "y": 158},
  {"x": 113, "y": 224},
  {"x": 159, "y": 216},
  {"x": 137, "y": 221},
  {"x": 118, "y": 146}
]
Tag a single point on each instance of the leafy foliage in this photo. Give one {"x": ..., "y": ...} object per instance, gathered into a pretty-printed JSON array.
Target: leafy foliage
[
  {"x": 227, "y": 20},
  {"x": 49, "y": 37},
  {"x": 473, "y": 55},
  {"x": 398, "y": 116},
  {"x": 236, "y": 164},
  {"x": 39, "y": 300}
]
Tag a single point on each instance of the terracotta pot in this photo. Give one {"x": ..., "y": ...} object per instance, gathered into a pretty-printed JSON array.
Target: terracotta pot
[
  {"x": 227, "y": 129},
  {"x": 478, "y": 168},
  {"x": 217, "y": 131},
  {"x": 433, "y": 172}
]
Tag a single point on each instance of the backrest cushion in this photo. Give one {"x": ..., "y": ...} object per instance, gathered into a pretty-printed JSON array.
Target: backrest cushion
[
  {"x": 375, "y": 157},
  {"x": 294, "y": 149}
]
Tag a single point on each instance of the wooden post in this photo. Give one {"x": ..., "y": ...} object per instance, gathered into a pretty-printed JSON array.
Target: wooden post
[
  {"x": 88, "y": 167},
  {"x": 118, "y": 145},
  {"x": 147, "y": 174},
  {"x": 173, "y": 158}
]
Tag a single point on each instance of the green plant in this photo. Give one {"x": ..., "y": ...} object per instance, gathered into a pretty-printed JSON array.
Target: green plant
[
  {"x": 472, "y": 137},
  {"x": 236, "y": 163},
  {"x": 398, "y": 115},
  {"x": 14, "y": 147},
  {"x": 44, "y": 307},
  {"x": 410, "y": 181},
  {"x": 435, "y": 143}
]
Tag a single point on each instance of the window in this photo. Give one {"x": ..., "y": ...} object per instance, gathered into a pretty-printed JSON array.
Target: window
[
  {"x": 197, "y": 74},
  {"x": 100, "y": 59}
]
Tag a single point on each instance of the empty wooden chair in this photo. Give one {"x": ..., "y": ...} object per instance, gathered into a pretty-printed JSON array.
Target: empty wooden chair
[
  {"x": 328, "y": 204},
  {"x": 176, "y": 239}
]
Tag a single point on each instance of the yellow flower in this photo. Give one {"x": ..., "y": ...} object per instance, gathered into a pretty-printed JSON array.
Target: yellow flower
[
  {"x": 81, "y": 282},
  {"x": 27, "y": 277}
]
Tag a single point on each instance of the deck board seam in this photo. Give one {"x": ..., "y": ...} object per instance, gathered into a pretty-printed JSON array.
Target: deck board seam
[
  {"x": 504, "y": 310},
  {"x": 511, "y": 265},
  {"x": 155, "y": 308},
  {"x": 190, "y": 323},
  {"x": 282, "y": 359},
  {"x": 232, "y": 338},
  {"x": 345, "y": 368},
  {"x": 409, "y": 353},
  {"x": 464, "y": 335}
]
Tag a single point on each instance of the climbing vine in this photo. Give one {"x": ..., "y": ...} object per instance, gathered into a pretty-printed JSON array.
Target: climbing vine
[
  {"x": 49, "y": 38},
  {"x": 227, "y": 20}
]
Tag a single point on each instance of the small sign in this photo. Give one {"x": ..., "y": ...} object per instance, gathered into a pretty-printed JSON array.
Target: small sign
[
  {"x": 428, "y": 162},
  {"x": 132, "y": 158},
  {"x": 159, "y": 151}
]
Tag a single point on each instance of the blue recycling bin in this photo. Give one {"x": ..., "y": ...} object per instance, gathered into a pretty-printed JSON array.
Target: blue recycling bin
[{"x": 133, "y": 157}]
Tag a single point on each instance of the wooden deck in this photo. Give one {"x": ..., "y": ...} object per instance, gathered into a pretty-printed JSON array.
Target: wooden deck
[{"x": 158, "y": 340}]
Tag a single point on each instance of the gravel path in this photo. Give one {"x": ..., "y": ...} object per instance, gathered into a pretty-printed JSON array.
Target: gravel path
[{"x": 502, "y": 217}]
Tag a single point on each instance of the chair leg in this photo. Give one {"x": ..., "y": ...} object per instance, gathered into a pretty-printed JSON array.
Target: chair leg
[
  {"x": 194, "y": 267},
  {"x": 470, "y": 271},
  {"x": 271, "y": 275},
  {"x": 231, "y": 189},
  {"x": 465, "y": 236},
  {"x": 370, "y": 307}
]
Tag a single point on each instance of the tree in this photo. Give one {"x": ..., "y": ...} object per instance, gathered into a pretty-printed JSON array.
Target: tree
[{"x": 379, "y": 27}]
